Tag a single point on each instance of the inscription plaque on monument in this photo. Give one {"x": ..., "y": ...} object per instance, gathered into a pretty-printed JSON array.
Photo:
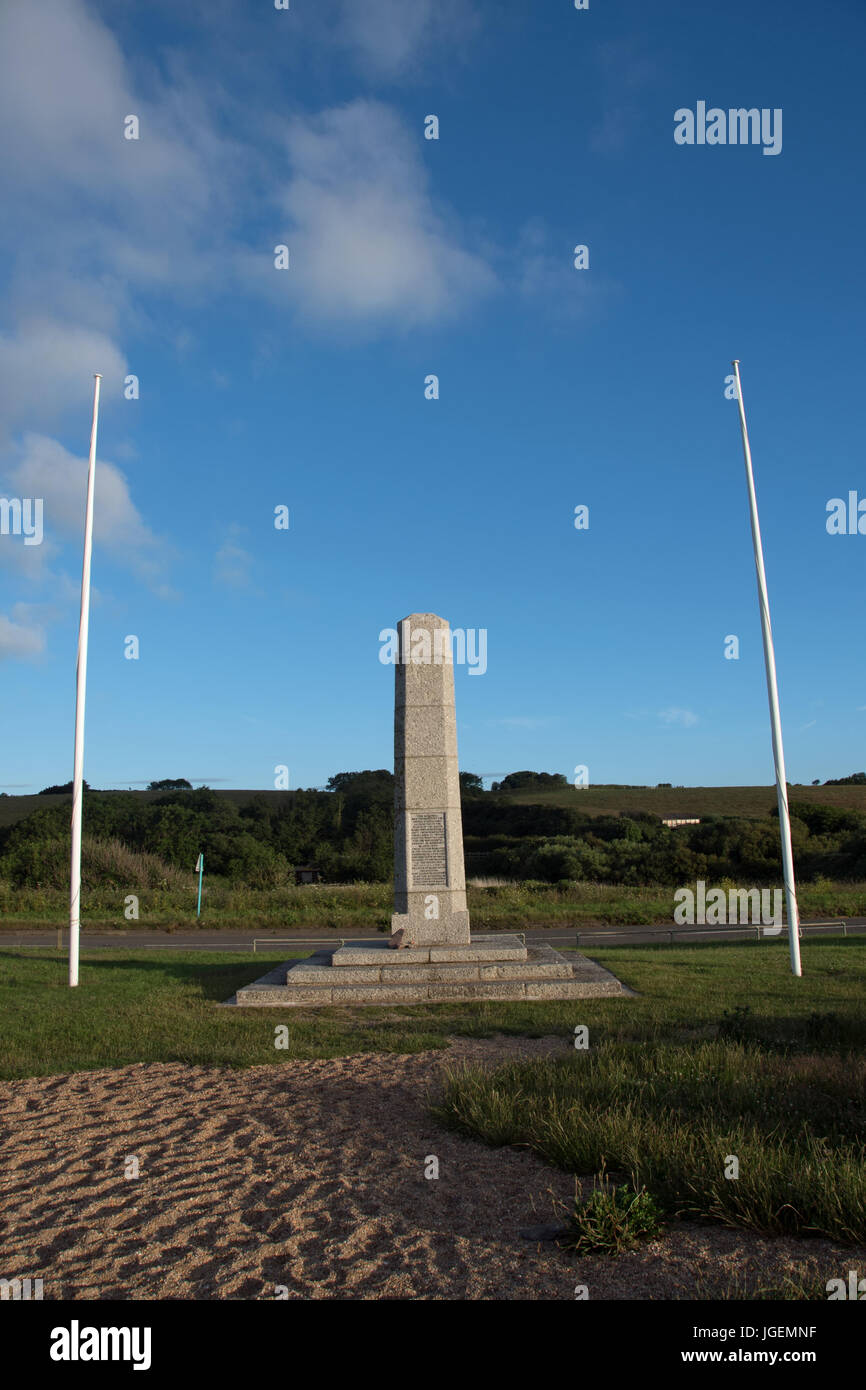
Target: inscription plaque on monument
[{"x": 429, "y": 854}]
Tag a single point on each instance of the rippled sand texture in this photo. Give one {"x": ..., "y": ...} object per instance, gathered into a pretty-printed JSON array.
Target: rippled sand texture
[{"x": 308, "y": 1175}]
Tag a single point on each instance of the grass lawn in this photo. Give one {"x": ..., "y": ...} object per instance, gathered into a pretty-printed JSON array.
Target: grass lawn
[
  {"x": 731, "y": 1092},
  {"x": 150, "y": 1006},
  {"x": 160, "y": 1006},
  {"x": 722, "y": 1053}
]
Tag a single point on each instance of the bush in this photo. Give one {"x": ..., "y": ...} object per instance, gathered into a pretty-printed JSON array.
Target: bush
[
  {"x": 254, "y": 863},
  {"x": 104, "y": 863},
  {"x": 822, "y": 820}
]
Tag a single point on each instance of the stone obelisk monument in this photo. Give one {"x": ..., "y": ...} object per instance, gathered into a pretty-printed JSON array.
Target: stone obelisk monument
[
  {"x": 429, "y": 882},
  {"x": 437, "y": 960}
]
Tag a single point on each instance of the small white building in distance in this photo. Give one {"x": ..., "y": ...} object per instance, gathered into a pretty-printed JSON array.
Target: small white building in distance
[{"x": 672, "y": 823}]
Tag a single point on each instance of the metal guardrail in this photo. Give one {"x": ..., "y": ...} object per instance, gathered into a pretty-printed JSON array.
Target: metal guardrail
[
  {"x": 330, "y": 940},
  {"x": 701, "y": 933},
  {"x": 642, "y": 932},
  {"x": 301, "y": 940}
]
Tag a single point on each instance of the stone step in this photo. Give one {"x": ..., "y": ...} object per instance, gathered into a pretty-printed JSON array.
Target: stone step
[
  {"x": 388, "y": 967},
  {"x": 492, "y": 949},
  {"x": 278, "y": 988}
]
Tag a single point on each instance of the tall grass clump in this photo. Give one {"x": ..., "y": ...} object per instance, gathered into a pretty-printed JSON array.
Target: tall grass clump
[{"x": 682, "y": 1120}]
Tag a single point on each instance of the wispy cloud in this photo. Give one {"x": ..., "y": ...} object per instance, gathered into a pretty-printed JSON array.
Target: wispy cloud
[
  {"x": 542, "y": 270},
  {"x": 625, "y": 72},
  {"x": 233, "y": 562},
  {"x": 367, "y": 240},
  {"x": 388, "y": 39},
  {"x": 685, "y": 718},
  {"x": 135, "y": 214},
  {"x": 20, "y": 636},
  {"x": 42, "y": 467},
  {"x": 520, "y": 721},
  {"x": 46, "y": 367}
]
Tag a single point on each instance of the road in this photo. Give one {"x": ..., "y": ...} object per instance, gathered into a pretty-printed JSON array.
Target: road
[{"x": 585, "y": 937}]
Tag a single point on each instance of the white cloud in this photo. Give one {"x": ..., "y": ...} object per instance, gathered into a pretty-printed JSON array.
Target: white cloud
[
  {"x": 91, "y": 218},
  {"x": 388, "y": 38},
  {"x": 673, "y": 715},
  {"x": 518, "y": 721},
  {"x": 367, "y": 243},
  {"x": 93, "y": 222},
  {"x": 233, "y": 563},
  {"x": 65, "y": 91},
  {"x": 29, "y": 564},
  {"x": 20, "y": 639},
  {"x": 44, "y": 468},
  {"x": 47, "y": 366}
]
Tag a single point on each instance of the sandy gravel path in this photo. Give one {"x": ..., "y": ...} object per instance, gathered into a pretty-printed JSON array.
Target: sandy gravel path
[{"x": 308, "y": 1175}]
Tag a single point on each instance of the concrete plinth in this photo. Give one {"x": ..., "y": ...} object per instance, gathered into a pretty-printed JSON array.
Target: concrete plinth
[{"x": 369, "y": 973}]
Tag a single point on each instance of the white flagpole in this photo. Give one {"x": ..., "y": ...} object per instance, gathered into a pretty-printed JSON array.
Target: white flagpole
[
  {"x": 773, "y": 694},
  {"x": 80, "y": 691}
]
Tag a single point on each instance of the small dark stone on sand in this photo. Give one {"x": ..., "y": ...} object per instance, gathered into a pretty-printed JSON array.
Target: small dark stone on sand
[{"x": 543, "y": 1232}]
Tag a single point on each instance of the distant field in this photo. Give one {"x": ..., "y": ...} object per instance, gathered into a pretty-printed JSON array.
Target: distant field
[
  {"x": 669, "y": 803},
  {"x": 15, "y": 808},
  {"x": 682, "y": 802}
]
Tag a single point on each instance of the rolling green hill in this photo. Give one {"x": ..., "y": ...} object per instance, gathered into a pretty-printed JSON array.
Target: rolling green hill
[
  {"x": 667, "y": 802},
  {"x": 682, "y": 802}
]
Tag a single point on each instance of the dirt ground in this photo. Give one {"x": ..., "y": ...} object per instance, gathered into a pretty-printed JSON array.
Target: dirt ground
[{"x": 307, "y": 1180}]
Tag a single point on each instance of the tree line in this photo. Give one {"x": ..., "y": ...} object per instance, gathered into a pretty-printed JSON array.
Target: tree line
[{"x": 347, "y": 832}]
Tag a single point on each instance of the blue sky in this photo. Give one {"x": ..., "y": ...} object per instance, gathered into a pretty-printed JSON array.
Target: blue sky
[{"x": 306, "y": 387}]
